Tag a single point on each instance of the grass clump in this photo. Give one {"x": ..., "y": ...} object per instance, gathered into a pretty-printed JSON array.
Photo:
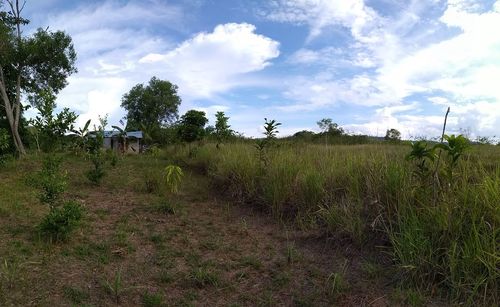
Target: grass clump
[
  {"x": 152, "y": 300},
  {"x": 202, "y": 277}
]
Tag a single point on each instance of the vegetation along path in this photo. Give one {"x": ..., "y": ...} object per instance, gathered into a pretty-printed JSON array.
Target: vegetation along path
[{"x": 136, "y": 247}]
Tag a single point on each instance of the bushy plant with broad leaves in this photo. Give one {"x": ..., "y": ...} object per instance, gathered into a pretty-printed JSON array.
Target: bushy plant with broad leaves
[{"x": 61, "y": 221}]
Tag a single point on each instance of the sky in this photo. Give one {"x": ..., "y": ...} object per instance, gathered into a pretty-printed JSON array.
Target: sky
[{"x": 370, "y": 65}]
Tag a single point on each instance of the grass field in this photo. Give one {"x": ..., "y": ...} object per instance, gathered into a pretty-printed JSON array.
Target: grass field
[
  {"x": 347, "y": 226},
  {"x": 442, "y": 239}
]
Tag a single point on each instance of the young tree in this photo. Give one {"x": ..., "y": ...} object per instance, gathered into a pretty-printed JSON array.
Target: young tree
[
  {"x": 50, "y": 128},
  {"x": 191, "y": 126},
  {"x": 392, "y": 135},
  {"x": 222, "y": 131},
  {"x": 29, "y": 65},
  {"x": 152, "y": 106}
]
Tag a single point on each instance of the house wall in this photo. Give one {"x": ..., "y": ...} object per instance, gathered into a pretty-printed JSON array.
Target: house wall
[
  {"x": 134, "y": 146},
  {"x": 107, "y": 143}
]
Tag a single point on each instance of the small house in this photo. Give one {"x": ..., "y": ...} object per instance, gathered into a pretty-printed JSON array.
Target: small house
[{"x": 131, "y": 142}]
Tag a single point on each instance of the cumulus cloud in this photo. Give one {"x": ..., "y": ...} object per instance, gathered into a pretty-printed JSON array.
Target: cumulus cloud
[
  {"x": 457, "y": 54},
  {"x": 209, "y": 63},
  {"x": 119, "y": 45}
]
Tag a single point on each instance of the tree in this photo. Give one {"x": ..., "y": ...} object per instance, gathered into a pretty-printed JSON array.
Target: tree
[
  {"x": 329, "y": 127},
  {"x": 191, "y": 126},
  {"x": 151, "y": 107},
  {"x": 49, "y": 129},
  {"x": 30, "y": 65},
  {"x": 392, "y": 135},
  {"x": 222, "y": 131}
]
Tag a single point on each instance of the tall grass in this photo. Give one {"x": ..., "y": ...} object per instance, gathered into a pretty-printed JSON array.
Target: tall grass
[{"x": 370, "y": 191}]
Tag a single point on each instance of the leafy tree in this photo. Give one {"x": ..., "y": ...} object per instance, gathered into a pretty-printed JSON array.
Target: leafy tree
[
  {"x": 49, "y": 129},
  {"x": 29, "y": 65},
  {"x": 329, "y": 127},
  {"x": 392, "y": 135},
  {"x": 191, "y": 126},
  {"x": 222, "y": 131},
  {"x": 152, "y": 106}
]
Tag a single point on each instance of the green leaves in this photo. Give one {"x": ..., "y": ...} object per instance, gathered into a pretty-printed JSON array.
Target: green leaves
[
  {"x": 153, "y": 106},
  {"x": 191, "y": 127},
  {"x": 173, "y": 177},
  {"x": 222, "y": 131}
]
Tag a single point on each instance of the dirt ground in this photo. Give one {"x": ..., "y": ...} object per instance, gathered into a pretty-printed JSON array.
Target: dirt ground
[{"x": 194, "y": 249}]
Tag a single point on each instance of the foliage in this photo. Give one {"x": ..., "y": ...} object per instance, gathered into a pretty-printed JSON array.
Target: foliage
[
  {"x": 329, "y": 127},
  {"x": 50, "y": 180},
  {"x": 122, "y": 136},
  {"x": 95, "y": 153},
  {"x": 222, "y": 128},
  {"x": 152, "y": 106},
  {"x": 81, "y": 140},
  {"x": 61, "y": 221},
  {"x": 49, "y": 129},
  {"x": 392, "y": 135},
  {"x": 270, "y": 132},
  {"x": 424, "y": 158},
  {"x": 191, "y": 126},
  {"x": 173, "y": 177},
  {"x": 30, "y": 65}
]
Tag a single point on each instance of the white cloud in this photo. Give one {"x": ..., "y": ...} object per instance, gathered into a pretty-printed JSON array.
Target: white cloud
[
  {"x": 456, "y": 55},
  {"x": 319, "y": 14},
  {"x": 210, "y": 63}
]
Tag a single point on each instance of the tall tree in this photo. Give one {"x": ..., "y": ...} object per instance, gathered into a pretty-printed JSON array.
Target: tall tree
[
  {"x": 392, "y": 135},
  {"x": 192, "y": 124},
  {"x": 152, "y": 106},
  {"x": 29, "y": 65}
]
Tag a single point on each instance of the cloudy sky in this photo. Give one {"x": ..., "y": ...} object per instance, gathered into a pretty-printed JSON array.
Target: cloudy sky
[{"x": 369, "y": 65}]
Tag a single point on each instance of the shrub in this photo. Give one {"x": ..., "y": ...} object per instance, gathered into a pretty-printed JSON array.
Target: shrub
[
  {"x": 50, "y": 180},
  {"x": 61, "y": 221},
  {"x": 96, "y": 174}
]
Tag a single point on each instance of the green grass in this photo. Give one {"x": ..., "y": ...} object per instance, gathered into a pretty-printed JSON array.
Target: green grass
[{"x": 368, "y": 193}]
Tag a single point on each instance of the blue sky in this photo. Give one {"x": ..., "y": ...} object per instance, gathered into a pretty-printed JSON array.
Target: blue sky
[{"x": 369, "y": 65}]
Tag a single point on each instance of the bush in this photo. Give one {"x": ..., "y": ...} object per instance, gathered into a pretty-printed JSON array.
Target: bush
[
  {"x": 50, "y": 180},
  {"x": 96, "y": 174},
  {"x": 61, "y": 221}
]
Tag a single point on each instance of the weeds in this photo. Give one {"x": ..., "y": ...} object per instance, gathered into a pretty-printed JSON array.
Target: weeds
[
  {"x": 115, "y": 287},
  {"x": 9, "y": 272},
  {"x": 202, "y": 277},
  {"x": 336, "y": 283}
]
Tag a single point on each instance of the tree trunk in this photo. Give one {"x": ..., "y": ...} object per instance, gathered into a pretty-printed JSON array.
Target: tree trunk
[
  {"x": 13, "y": 110},
  {"x": 13, "y": 115}
]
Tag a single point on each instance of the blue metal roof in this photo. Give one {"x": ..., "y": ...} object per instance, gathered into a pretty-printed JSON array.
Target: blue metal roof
[{"x": 130, "y": 134}]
